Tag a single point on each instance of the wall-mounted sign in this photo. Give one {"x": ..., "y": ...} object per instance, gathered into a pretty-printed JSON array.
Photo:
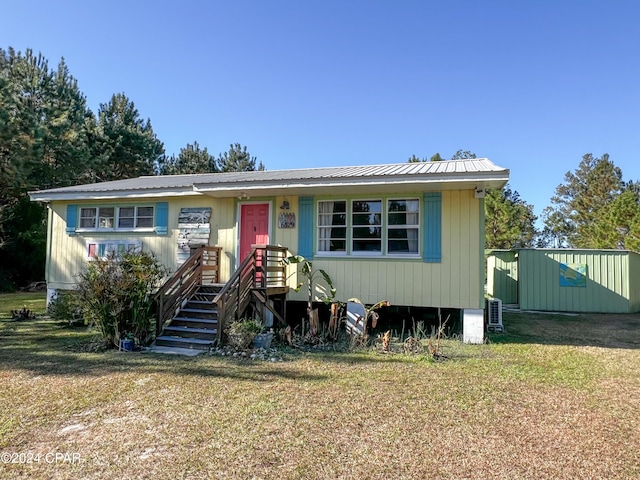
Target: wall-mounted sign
[
  {"x": 573, "y": 274},
  {"x": 287, "y": 220},
  {"x": 193, "y": 231}
]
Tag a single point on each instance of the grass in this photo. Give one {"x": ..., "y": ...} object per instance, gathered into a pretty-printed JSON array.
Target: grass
[
  {"x": 17, "y": 301},
  {"x": 535, "y": 402}
]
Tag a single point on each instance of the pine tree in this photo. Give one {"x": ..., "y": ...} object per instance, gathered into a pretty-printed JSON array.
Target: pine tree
[
  {"x": 618, "y": 225},
  {"x": 509, "y": 220},
  {"x": 463, "y": 155},
  {"x": 43, "y": 144},
  {"x": 434, "y": 158},
  {"x": 130, "y": 148},
  {"x": 191, "y": 159},
  {"x": 579, "y": 202},
  {"x": 238, "y": 159}
]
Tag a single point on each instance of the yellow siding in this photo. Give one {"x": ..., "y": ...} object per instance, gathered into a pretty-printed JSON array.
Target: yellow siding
[
  {"x": 68, "y": 252},
  {"x": 455, "y": 282},
  {"x": 285, "y": 237}
]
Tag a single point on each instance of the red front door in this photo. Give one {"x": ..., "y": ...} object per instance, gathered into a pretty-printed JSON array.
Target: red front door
[{"x": 254, "y": 226}]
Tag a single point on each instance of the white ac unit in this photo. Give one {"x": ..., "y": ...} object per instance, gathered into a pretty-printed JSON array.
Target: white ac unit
[{"x": 494, "y": 315}]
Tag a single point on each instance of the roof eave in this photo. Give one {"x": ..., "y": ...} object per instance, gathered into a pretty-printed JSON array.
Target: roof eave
[
  {"x": 485, "y": 180},
  {"x": 48, "y": 196},
  {"x": 382, "y": 184}
]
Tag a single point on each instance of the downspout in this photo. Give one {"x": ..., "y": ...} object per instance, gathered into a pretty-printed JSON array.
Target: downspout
[
  {"x": 483, "y": 270},
  {"x": 47, "y": 263}
]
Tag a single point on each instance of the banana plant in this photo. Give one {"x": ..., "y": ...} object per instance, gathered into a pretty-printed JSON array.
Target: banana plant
[{"x": 311, "y": 276}]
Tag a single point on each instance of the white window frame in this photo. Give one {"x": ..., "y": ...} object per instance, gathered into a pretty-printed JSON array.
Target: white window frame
[
  {"x": 406, "y": 226},
  {"x": 385, "y": 227},
  {"x": 100, "y": 248},
  {"x": 115, "y": 218},
  {"x": 353, "y": 227},
  {"x": 319, "y": 226}
]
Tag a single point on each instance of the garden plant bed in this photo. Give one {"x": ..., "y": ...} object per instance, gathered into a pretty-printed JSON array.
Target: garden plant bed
[{"x": 553, "y": 397}]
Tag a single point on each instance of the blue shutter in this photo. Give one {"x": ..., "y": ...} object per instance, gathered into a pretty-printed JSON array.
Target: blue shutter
[
  {"x": 162, "y": 218},
  {"x": 72, "y": 219},
  {"x": 305, "y": 227},
  {"x": 432, "y": 227}
]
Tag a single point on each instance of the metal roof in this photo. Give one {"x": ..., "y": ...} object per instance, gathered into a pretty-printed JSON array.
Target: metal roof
[{"x": 481, "y": 173}]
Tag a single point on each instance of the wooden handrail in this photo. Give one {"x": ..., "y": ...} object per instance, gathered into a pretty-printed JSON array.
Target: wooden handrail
[
  {"x": 200, "y": 268},
  {"x": 262, "y": 269}
]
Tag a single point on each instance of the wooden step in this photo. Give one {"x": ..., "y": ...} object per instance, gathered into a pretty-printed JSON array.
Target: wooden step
[
  {"x": 201, "y": 302},
  {"x": 213, "y": 288},
  {"x": 197, "y": 343},
  {"x": 204, "y": 313},
  {"x": 193, "y": 322},
  {"x": 190, "y": 332},
  {"x": 198, "y": 305},
  {"x": 204, "y": 297}
]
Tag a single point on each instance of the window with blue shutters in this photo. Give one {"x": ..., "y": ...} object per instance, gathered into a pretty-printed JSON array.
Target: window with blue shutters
[
  {"x": 118, "y": 218},
  {"x": 374, "y": 227}
]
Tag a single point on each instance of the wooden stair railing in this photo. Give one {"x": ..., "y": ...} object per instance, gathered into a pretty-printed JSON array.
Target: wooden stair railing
[
  {"x": 203, "y": 267},
  {"x": 264, "y": 270}
]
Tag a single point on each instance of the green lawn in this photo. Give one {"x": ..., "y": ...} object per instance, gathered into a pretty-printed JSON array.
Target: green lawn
[
  {"x": 554, "y": 397},
  {"x": 36, "y": 302}
]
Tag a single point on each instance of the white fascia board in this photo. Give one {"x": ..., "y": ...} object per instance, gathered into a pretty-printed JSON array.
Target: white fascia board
[
  {"x": 470, "y": 182},
  {"x": 73, "y": 196}
]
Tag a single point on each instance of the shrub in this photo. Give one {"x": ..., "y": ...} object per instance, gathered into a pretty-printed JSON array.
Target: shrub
[
  {"x": 117, "y": 294},
  {"x": 67, "y": 307},
  {"x": 241, "y": 333}
]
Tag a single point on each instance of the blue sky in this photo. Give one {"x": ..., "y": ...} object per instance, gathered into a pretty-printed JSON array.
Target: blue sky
[{"x": 532, "y": 85}]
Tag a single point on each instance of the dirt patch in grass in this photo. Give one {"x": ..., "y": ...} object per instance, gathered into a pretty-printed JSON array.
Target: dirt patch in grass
[
  {"x": 502, "y": 410},
  {"x": 599, "y": 330}
]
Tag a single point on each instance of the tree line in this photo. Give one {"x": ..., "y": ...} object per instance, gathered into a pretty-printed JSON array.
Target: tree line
[
  {"x": 593, "y": 208},
  {"x": 49, "y": 138}
]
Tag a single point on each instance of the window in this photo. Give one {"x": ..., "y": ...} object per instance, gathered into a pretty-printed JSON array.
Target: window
[
  {"x": 135, "y": 217},
  {"x": 88, "y": 217},
  {"x": 105, "y": 217},
  {"x": 102, "y": 248},
  {"x": 332, "y": 226},
  {"x": 366, "y": 224},
  {"x": 403, "y": 226},
  {"x": 369, "y": 227},
  {"x": 116, "y": 218},
  {"x": 102, "y": 217}
]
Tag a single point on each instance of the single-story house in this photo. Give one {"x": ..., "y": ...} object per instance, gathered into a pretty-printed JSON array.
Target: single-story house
[
  {"x": 410, "y": 233},
  {"x": 566, "y": 279}
]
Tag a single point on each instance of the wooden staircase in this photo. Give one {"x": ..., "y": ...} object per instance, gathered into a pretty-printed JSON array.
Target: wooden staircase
[
  {"x": 196, "y": 324},
  {"x": 193, "y": 308}
]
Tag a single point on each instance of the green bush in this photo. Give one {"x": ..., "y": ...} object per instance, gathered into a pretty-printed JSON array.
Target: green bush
[
  {"x": 117, "y": 294},
  {"x": 67, "y": 307}
]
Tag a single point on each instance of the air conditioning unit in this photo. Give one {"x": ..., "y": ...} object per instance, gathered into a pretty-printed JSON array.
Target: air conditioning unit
[{"x": 494, "y": 315}]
